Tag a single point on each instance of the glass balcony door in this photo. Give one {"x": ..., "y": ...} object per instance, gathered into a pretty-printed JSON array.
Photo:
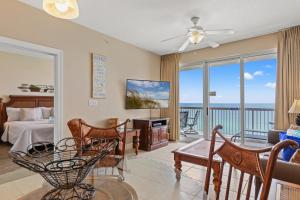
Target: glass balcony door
[
  {"x": 224, "y": 99},
  {"x": 259, "y": 89},
  {"x": 191, "y": 90},
  {"x": 238, "y": 93}
]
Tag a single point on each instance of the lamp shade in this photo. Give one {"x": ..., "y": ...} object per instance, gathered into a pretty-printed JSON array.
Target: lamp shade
[
  {"x": 65, "y": 9},
  {"x": 295, "y": 108}
]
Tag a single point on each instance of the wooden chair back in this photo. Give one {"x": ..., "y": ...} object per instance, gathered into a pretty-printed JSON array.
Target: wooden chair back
[
  {"x": 80, "y": 129},
  {"x": 246, "y": 161}
]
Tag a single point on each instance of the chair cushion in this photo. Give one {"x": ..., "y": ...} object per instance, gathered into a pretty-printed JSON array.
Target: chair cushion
[{"x": 110, "y": 133}]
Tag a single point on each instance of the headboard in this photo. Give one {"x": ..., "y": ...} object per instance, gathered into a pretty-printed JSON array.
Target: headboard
[{"x": 19, "y": 101}]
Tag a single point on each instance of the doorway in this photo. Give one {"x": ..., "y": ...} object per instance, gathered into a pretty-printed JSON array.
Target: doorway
[{"x": 29, "y": 88}]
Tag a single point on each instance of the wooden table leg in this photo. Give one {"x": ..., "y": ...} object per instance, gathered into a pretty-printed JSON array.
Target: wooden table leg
[
  {"x": 216, "y": 177},
  {"x": 137, "y": 144},
  {"x": 178, "y": 166}
]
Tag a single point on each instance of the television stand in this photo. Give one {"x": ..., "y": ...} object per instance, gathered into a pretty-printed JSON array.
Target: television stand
[{"x": 154, "y": 132}]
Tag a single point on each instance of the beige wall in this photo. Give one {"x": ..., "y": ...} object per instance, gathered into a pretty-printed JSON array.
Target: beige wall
[
  {"x": 252, "y": 45},
  {"x": 124, "y": 61},
  {"x": 16, "y": 69}
]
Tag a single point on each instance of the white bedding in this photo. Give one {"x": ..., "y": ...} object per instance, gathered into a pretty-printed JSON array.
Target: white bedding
[{"x": 23, "y": 133}]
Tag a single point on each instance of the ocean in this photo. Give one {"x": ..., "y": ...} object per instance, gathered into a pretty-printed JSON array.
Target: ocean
[
  {"x": 259, "y": 117},
  {"x": 230, "y": 105}
]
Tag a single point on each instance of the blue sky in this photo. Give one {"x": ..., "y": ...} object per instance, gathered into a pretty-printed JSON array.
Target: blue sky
[
  {"x": 152, "y": 89},
  {"x": 260, "y": 77}
]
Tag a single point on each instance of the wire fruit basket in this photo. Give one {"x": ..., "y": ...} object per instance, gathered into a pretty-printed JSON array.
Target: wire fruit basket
[{"x": 65, "y": 165}]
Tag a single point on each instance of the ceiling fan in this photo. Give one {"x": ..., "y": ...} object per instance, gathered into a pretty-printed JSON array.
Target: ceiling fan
[{"x": 196, "y": 34}]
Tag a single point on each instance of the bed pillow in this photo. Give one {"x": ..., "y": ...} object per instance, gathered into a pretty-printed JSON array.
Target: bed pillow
[
  {"x": 31, "y": 114},
  {"x": 39, "y": 113},
  {"x": 13, "y": 114},
  {"x": 47, "y": 112}
]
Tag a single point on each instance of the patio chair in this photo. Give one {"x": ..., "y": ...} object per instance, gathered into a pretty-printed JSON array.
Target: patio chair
[
  {"x": 183, "y": 120},
  {"x": 242, "y": 160},
  {"x": 251, "y": 134},
  {"x": 80, "y": 129},
  {"x": 191, "y": 122}
]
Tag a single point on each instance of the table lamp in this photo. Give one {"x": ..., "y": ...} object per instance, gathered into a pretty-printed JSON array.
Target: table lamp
[{"x": 295, "y": 108}]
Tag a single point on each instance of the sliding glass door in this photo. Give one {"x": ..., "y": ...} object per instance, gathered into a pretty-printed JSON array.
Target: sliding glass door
[
  {"x": 224, "y": 96},
  {"x": 191, "y": 101},
  {"x": 260, "y": 83},
  {"x": 237, "y": 92}
]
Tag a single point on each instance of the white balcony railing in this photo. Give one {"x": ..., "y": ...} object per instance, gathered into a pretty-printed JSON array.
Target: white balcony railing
[{"x": 257, "y": 120}]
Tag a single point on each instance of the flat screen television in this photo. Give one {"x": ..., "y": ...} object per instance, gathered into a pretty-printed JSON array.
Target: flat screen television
[{"x": 147, "y": 94}]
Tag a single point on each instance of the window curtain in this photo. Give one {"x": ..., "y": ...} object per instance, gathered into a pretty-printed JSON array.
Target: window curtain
[
  {"x": 288, "y": 76},
  {"x": 169, "y": 71}
]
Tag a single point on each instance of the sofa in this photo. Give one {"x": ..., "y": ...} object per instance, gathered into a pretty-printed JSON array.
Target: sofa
[
  {"x": 291, "y": 170},
  {"x": 284, "y": 171}
]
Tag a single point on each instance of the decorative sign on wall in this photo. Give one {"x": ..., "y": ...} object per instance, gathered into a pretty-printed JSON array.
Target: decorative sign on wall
[{"x": 99, "y": 76}]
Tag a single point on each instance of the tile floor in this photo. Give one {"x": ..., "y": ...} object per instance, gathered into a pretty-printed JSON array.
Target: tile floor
[
  {"x": 151, "y": 174},
  {"x": 9, "y": 171}
]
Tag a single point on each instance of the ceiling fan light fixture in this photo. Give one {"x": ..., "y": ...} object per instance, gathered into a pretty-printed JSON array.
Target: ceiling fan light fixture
[
  {"x": 195, "y": 37},
  {"x": 65, "y": 9}
]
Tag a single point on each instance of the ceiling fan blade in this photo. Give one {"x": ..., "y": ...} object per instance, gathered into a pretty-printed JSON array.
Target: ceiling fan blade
[
  {"x": 184, "y": 45},
  {"x": 174, "y": 37},
  {"x": 212, "y": 44},
  {"x": 220, "y": 31}
]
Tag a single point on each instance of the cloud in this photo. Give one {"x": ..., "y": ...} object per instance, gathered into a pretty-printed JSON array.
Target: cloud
[
  {"x": 248, "y": 76},
  {"x": 145, "y": 84},
  {"x": 271, "y": 85},
  {"x": 269, "y": 66},
  {"x": 258, "y": 73}
]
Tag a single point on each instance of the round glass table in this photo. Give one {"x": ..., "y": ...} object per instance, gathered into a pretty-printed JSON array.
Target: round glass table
[{"x": 107, "y": 188}]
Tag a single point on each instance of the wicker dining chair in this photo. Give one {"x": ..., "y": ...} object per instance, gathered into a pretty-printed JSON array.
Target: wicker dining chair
[
  {"x": 246, "y": 161},
  {"x": 80, "y": 129}
]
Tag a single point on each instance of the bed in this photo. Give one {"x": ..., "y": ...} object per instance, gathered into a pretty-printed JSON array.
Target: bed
[{"x": 22, "y": 133}]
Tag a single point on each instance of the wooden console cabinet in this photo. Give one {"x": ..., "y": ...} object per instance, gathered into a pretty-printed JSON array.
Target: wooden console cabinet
[{"x": 154, "y": 132}]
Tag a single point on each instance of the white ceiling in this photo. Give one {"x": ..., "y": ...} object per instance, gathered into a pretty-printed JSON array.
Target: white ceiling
[{"x": 144, "y": 23}]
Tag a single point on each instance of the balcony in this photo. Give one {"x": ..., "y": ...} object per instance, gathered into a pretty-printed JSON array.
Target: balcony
[{"x": 257, "y": 120}]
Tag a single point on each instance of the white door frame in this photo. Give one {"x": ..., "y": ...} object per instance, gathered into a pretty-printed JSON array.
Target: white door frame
[
  {"x": 206, "y": 133},
  {"x": 58, "y": 77}
]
